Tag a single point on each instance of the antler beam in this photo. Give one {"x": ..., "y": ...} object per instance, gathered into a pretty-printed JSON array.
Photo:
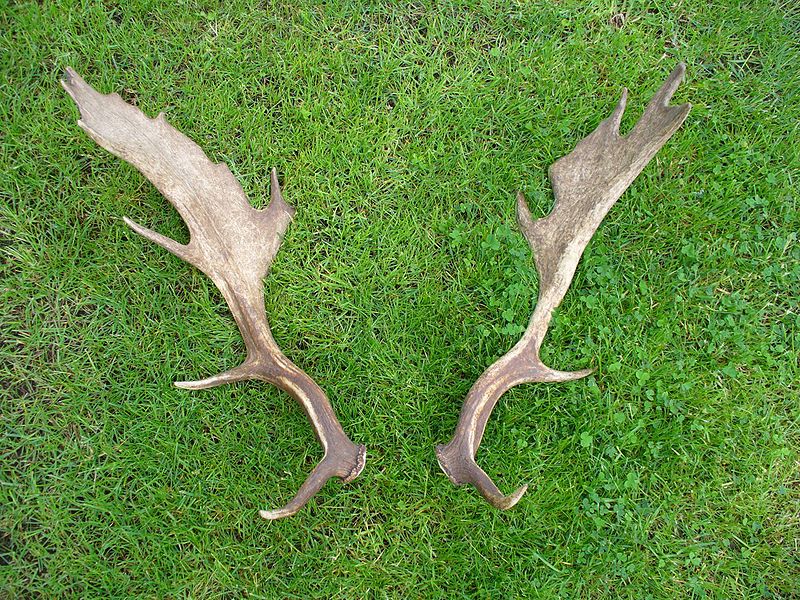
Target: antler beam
[
  {"x": 231, "y": 242},
  {"x": 586, "y": 184}
]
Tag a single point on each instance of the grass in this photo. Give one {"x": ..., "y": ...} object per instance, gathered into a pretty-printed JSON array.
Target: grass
[{"x": 401, "y": 135}]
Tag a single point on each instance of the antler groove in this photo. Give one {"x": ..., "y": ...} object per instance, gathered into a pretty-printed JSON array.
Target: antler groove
[
  {"x": 234, "y": 245},
  {"x": 586, "y": 184}
]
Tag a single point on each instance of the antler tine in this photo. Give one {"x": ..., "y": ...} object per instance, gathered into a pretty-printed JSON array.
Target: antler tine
[
  {"x": 231, "y": 242},
  {"x": 586, "y": 184}
]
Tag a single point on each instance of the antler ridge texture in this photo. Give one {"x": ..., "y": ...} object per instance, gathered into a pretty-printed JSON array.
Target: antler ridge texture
[
  {"x": 586, "y": 184},
  {"x": 234, "y": 245}
]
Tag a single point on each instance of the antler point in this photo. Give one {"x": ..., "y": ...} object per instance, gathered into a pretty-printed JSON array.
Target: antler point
[
  {"x": 511, "y": 500},
  {"x": 270, "y": 515}
]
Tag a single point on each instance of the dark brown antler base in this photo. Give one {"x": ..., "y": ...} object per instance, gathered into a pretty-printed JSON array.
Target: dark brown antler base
[
  {"x": 231, "y": 242},
  {"x": 586, "y": 183}
]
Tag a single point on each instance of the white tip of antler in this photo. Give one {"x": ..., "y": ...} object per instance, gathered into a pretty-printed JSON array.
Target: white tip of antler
[
  {"x": 272, "y": 515},
  {"x": 616, "y": 117},
  {"x": 548, "y": 375},
  {"x": 664, "y": 95},
  {"x": 510, "y": 500},
  {"x": 278, "y": 211},
  {"x": 70, "y": 81},
  {"x": 243, "y": 372},
  {"x": 274, "y": 186}
]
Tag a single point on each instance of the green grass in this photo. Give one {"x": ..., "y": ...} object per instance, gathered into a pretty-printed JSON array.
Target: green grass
[{"x": 401, "y": 136}]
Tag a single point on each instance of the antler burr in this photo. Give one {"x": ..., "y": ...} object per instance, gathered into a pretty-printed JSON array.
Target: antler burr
[
  {"x": 233, "y": 244},
  {"x": 586, "y": 184}
]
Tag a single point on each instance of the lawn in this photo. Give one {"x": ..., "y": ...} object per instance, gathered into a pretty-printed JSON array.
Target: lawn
[{"x": 401, "y": 135}]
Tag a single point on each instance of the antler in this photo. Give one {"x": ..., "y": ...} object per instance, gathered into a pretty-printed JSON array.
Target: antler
[
  {"x": 586, "y": 183},
  {"x": 232, "y": 243}
]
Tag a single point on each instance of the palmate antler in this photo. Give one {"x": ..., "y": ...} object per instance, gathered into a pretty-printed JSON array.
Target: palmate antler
[
  {"x": 233, "y": 244},
  {"x": 586, "y": 183}
]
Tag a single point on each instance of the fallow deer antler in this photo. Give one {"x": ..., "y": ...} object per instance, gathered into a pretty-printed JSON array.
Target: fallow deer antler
[
  {"x": 586, "y": 184},
  {"x": 232, "y": 243}
]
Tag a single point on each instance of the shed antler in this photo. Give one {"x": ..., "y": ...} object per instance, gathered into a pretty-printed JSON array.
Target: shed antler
[
  {"x": 586, "y": 183},
  {"x": 232, "y": 243}
]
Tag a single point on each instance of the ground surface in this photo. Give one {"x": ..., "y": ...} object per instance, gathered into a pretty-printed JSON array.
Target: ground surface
[{"x": 401, "y": 136}]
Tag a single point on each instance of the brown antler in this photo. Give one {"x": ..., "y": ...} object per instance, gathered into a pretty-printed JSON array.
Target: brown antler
[
  {"x": 586, "y": 183},
  {"x": 233, "y": 244}
]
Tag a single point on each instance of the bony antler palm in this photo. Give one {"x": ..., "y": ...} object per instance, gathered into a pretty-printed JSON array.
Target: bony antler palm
[
  {"x": 231, "y": 242},
  {"x": 586, "y": 184}
]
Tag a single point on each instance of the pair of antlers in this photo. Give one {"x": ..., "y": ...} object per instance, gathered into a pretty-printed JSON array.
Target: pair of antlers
[{"x": 234, "y": 244}]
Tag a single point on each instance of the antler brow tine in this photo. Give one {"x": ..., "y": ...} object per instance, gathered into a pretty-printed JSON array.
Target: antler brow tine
[
  {"x": 586, "y": 184},
  {"x": 231, "y": 242}
]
